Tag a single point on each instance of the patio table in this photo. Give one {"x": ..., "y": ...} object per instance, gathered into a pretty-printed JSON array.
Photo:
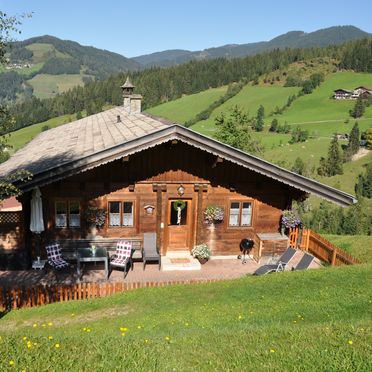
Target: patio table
[{"x": 86, "y": 255}]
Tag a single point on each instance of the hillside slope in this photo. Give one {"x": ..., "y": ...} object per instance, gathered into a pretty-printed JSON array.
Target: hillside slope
[
  {"x": 47, "y": 66},
  {"x": 293, "y": 39},
  {"x": 254, "y": 323}
]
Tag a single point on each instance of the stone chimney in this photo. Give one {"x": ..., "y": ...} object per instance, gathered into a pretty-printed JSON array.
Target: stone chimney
[{"x": 132, "y": 102}]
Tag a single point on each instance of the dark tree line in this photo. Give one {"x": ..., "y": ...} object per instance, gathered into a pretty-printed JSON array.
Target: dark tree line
[{"x": 357, "y": 55}]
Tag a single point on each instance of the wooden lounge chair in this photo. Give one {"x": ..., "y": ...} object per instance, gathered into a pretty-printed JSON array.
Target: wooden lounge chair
[
  {"x": 150, "y": 251},
  {"x": 279, "y": 266},
  {"x": 304, "y": 263},
  {"x": 122, "y": 257}
]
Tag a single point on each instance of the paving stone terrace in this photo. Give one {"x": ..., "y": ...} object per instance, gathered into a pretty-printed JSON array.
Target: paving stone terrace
[{"x": 218, "y": 269}]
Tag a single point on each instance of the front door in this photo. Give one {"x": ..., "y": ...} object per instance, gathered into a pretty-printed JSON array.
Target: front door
[{"x": 179, "y": 225}]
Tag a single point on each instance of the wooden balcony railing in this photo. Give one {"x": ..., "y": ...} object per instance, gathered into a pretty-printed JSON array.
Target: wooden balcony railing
[{"x": 320, "y": 247}]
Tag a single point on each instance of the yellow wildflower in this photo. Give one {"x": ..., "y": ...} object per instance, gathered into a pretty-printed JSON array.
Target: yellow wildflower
[
  {"x": 88, "y": 329},
  {"x": 50, "y": 324},
  {"x": 24, "y": 338},
  {"x": 139, "y": 327},
  {"x": 50, "y": 337},
  {"x": 11, "y": 362},
  {"x": 123, "y": 334},
  {"x": 167, "y": 338},
  {"x": 350, "y": 342},
  {"x": 272, "y": 350},
  {"x": 146, "y": 341},
  {"x": 34, "y": 325},
  {"x": 43, "y": 325},
  {"x": 56, "y": 346},
  {"x": 240, "y": 317}
]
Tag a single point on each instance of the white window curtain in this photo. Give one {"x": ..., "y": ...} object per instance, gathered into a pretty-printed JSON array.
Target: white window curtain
[
  {"x": 234, "y": 214},
  {"x": 246, "y": 214},
  {"x": 127, "y": 214}
]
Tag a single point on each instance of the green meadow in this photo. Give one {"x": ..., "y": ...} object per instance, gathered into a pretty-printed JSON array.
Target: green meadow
[
  {"x": 46, "y": 86},
  {"x": 317, "y": 320},
  {"x": 249, "y": 98},
  {"x": 183, "y": 109},
  {"x": 320, "y": 106}
]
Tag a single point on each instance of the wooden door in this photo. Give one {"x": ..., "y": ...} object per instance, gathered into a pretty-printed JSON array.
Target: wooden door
[{"x": 179, "y": 221}]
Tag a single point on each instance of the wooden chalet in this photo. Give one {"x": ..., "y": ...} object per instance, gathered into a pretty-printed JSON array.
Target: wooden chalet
[{"x": 138, "y": 168}]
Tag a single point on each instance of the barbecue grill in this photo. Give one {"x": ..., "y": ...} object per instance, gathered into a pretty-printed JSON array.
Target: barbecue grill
[{"x": 246, "y": 246}]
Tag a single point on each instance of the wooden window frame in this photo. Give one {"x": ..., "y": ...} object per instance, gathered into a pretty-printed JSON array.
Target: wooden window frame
[
  {"x": 121, "y": 211},
  {"x": 240, "y": 201},
  {"x": 67, "y": 203}
]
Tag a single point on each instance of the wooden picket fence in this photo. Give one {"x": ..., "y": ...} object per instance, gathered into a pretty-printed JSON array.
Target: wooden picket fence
[
  {"x": 16, "y": 298},
  {"x": 320, "y": 247}
]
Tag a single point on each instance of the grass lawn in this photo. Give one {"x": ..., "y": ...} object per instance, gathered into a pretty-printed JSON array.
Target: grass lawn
[
  {"x": 314, "y": 320},
  {"x": 185, "y": 108},
  {"x": 46, "y": 86}
]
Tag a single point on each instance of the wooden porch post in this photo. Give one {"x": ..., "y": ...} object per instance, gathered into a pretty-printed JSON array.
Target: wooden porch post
[
  {"x": 159, "y": 205},
  {"x": 199, "y": 213}
]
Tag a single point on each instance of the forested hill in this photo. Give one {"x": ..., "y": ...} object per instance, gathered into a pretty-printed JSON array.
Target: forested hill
[
  {"x": 61, "y": 54},
  {"x": 293, "y": 39}
]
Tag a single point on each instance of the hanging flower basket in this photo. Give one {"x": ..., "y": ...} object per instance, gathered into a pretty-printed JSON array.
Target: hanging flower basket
[
  {"x": 290, "y": 219},
  {"x": 95, "y": 216},
  {"x": 213, "y": 214}
]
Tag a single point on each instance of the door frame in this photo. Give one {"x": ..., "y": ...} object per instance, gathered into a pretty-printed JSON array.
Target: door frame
[{"x": 190, "y": 218}]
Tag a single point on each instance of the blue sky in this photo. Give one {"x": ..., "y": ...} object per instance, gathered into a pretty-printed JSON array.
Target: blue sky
[{"x": 139, "y": 27}]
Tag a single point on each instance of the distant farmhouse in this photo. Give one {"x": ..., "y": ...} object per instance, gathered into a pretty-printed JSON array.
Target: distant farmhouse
[{"x": 359, "y": 92}]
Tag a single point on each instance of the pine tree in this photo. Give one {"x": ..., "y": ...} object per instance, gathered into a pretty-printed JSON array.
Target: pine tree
[
  {"x": 334, "y": 161},
  {"x": 274, "y": 125},
  {"x": 359, "y": 109},
  {"x": 259, "y": 119},
  {"x": 354, "y": 142}
]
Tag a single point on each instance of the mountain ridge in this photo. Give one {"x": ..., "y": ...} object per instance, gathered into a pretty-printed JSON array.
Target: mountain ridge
[{"x": 292, "y": 39}]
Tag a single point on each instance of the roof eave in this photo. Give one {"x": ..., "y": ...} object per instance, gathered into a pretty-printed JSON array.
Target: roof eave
[{"x": 197, "y": 140}]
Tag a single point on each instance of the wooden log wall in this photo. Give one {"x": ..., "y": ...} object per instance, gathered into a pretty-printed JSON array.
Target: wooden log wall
[{"x": 152, "y": 177}]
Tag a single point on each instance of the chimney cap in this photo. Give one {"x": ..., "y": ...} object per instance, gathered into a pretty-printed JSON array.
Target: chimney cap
[{"x": 128, "y": 84}]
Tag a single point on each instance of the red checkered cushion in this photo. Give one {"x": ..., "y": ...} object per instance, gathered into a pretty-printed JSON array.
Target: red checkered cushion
[
  {"x": 122, "y": 254},
  {"x": 54, "y": 253}
]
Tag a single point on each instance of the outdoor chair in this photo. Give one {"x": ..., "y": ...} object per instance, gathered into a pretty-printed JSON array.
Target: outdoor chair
[
  {"x": 304, "y": 263},
  {"x": 122, "y": 257},
  {"x": 55, "y": 259},
  {"x": 150, "y": 251},
  {"x": 279, "y": 266}
]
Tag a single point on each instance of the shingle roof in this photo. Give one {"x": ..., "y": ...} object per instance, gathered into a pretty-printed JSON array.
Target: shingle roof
[{"x": 79, "y": 139}]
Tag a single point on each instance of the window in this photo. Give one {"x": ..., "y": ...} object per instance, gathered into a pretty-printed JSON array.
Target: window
[
  {"x": 74, "y": 214},
  {"x": 240, "y": 214},
  {"x": 121, "y": 214},
  {"x": 67, "y": 214},
  {"x": 61, "y": 214},
  {"x": 114, "y": 214}
]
